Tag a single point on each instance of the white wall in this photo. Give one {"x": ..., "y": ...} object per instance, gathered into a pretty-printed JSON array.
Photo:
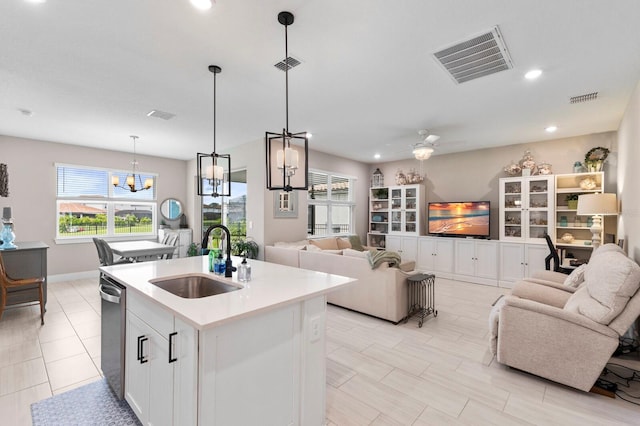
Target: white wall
[
  {"x": 629, "y": 176},
  {"x": 473, "y": 175},
  {"x": 32, "y": 192}
]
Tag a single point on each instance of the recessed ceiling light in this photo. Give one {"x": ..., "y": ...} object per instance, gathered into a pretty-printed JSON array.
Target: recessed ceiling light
[
  {"x": 376, "y": 156},
  {"x": 202, "y": 4},
  {"x": 533, "y": 74},
  {"x": 551, "y": 129}
]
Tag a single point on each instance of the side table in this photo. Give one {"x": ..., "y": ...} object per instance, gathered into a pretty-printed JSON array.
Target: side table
[{"x": 421, "y": 293}]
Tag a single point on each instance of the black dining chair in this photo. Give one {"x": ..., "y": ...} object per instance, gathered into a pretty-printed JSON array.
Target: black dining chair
[{"x": 556, "y": 259}]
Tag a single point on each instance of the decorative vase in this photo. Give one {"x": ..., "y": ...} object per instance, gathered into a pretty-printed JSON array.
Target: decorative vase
[
  {"x": 573, "y": 204},
  {"x": 7, "y": 236},
  {"x": 563, "y": 221}
]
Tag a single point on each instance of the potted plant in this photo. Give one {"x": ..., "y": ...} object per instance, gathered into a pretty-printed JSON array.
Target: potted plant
[
  {"x": 572, "y": 201},
  {"x": 192, "y": 250},
  {"x": 246, "y": 248}
]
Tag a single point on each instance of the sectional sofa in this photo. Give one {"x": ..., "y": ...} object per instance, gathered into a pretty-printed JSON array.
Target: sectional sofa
[{"x": 379, "y": 292}]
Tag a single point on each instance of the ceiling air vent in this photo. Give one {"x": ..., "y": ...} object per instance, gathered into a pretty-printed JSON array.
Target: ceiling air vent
[
  {"x": 289, "y": 63},
  {"x": 160, "y": 114},
  {"x": 480, "y": 56},
  {"x": 583, "y": 98}
]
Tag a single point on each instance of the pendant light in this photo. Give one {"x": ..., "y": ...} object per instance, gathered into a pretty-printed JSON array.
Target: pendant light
[
  {"x": 131, "y": 179},
  {"x": 214, "y": 168},
  {"x": 287, "y": 153}
]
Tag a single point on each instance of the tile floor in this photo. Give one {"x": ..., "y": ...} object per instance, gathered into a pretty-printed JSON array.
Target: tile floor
[{"x": 377, "y": 373}]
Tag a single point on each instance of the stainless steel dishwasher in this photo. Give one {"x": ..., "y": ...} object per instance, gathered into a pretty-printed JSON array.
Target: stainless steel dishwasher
[{"x": 114, "y": 299}]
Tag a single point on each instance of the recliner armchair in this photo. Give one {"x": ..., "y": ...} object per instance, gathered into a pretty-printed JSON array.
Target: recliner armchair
[{"x": 568, "y": 342}]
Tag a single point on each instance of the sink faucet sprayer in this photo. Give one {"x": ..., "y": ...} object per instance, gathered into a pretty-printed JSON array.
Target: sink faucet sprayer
[{"x": 229, "y": 268}]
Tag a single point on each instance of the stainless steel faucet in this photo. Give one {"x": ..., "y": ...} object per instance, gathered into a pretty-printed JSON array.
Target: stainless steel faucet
[{"x": 228, "y": 266}]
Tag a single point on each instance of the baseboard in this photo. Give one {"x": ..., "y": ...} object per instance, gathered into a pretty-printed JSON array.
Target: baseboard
[{"x": 73, "y": 276}]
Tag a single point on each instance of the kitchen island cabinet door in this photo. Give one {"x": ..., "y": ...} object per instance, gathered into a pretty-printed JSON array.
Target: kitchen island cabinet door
[
  {"x": 161, "y": 369},
  {"x": 136, "y": 373}
]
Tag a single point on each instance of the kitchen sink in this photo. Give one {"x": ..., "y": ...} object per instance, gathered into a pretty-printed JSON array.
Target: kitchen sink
[{"x": 194, "y": 286}]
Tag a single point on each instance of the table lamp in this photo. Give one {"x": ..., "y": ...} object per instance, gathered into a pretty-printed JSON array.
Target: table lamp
[{"x": 597, "y": 205}]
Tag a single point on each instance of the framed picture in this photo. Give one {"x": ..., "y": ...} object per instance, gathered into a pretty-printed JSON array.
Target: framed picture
[{"x": 285, "y": 204}]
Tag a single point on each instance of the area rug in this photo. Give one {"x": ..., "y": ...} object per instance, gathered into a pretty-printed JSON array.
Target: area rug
[{"x": 92, "y": 404}]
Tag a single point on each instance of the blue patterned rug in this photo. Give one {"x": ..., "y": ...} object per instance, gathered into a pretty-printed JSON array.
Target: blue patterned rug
[{"x": 92, "y": 404}]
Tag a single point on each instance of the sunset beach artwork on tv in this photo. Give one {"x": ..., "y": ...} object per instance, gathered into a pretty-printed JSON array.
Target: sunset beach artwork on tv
[{"x": 469, "y": 218}]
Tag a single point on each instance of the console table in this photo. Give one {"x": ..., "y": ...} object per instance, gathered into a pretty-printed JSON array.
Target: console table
[{"x": 29, "y": 260}]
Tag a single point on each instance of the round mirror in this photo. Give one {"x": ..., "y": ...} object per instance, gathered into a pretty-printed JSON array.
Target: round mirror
[{"x": 171, "y": 209}]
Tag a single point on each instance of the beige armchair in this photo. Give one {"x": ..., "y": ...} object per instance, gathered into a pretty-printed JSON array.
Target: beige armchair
[{"x": 566, "y": 334}]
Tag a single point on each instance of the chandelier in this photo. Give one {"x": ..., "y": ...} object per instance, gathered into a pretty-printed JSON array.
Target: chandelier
[
  {"x": 131, "y": 184},
  {"x": 214, "y": 168},
  {"x": 287, "y": 152}
]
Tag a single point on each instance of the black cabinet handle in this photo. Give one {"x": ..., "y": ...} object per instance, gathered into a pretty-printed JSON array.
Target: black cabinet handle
[
  {"x": 171, "y": 358},
  {"x": 142, "y": 339},
  {"x": 139, "y": 355}
]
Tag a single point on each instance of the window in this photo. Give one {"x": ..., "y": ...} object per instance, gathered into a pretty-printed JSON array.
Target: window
[
  {"x": 229, "y": 211},
  {"x": 89, "y": 206},
  {"x": 331, "y": 204}
]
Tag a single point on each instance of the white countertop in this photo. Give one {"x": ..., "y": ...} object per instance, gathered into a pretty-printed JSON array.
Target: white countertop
[{"x": 272, "y": 285}]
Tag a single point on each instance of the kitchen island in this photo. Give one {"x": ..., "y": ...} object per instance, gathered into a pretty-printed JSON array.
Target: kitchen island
[{"x": 255, "y": 355}]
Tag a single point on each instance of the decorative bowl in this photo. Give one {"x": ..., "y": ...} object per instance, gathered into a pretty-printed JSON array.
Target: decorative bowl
[
  {"x": 588, "y": 183},
  {"x": 567, "y": 238}
]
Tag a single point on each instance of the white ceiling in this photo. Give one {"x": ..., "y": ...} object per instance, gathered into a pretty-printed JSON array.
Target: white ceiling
[{"x": 90, "y": 71}]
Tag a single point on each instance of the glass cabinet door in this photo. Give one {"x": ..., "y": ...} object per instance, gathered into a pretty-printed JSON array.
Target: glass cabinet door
[
  {"x": 538, "y": 207},
  {"x": 512, "y": 209}
]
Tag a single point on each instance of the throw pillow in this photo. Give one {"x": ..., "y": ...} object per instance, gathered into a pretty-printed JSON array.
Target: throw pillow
[
  {"x": 329, "y": 243},
  {"x": 295, "y": 245},
  {"x": 354, "y": 253},
  {"x": 356, "y": 244},
  {"x": 343, "y": 243},
  {"x": 576, "y": 277}
]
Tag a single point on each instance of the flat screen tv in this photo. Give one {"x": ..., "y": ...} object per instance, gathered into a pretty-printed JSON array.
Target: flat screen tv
[{"x": 463, "y": 219}]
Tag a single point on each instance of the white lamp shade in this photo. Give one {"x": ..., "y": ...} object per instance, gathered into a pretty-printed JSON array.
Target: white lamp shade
[{"x": 597, "y": 204}]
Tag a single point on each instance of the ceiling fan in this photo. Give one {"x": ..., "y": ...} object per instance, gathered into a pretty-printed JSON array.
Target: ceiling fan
[{"x": 423, "y": 150}]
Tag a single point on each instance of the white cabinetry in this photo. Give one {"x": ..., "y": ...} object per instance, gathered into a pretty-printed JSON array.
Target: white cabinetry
[
  {"x": 435, "y": 254},
  {"x": 183, "y": 242},
  {"x": 406, "y": 209},
  {"x": 396, "y": 210},
  {"x": 161, "y": 365},
  {"x": 476, "y": 261},
  {"x": 406, "y": 247},
  {"x": 526, "y": 209},
  {"x": 568, "y": 188},
  {"x": 268, "y": 368},
  {"x": 378, "y": 217},
  {"x": 518, "y": 261}
]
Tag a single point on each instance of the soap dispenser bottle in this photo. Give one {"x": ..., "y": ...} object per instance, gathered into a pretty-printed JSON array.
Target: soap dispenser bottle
[
  {"x": 220, "y": 265},
  {"x": 244, "y": 271},
  {"x": 212, "y": 260}
]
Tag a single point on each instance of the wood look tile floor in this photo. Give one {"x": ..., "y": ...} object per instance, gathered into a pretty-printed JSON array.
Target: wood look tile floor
[{"x": 377, "y": 373}]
